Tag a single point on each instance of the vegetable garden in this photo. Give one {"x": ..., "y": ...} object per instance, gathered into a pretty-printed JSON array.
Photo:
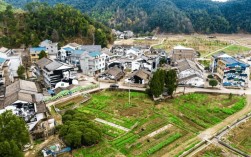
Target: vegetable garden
[{"x": 188, "y": 115}]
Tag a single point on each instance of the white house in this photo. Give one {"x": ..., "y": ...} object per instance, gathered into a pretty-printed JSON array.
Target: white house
[
  {"x": 52, "y": 48},
  {"x": 189, "y": 74},
  {"x": 92, "y": 63},
  {"x": 65, "y": 52}
]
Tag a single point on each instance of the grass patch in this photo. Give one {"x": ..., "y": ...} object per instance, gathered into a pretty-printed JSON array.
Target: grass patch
[{"x": 236, "y": 49}]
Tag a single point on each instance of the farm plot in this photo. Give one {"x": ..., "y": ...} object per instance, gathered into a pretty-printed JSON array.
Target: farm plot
[
  {"x": 189, "y": 110},
  {"x": 70, "y": 103},
  {"x": 240, "y": 137},
  {"x": 200, "y": 43},
  {"x": 184, "y": 116}
]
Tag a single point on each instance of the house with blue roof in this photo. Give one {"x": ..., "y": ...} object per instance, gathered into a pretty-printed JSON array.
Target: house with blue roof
[
  {"x": 233, "y": 73},
  {"x": 92, "y": 63},
  {"x": 34, "y": 53},
  {"x": 65, "y": 52},
  {"x": 75, "y": 56}
]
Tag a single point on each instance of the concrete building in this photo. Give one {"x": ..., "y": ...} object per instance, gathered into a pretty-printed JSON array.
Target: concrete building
[
  {"x": 181, "y": 52},
  {"x": 52, "y": 48},
  {"x": 233, "y": 73},
  {"x": 92, "y": 63},
  {"x": 13, "y": 61},
  {"x": 55, "y": 72},
  {"x": 34, "y": 53},
  {"x": 215, "y": 58}
]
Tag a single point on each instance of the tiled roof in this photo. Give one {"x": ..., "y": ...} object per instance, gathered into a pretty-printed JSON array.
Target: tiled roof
[
  {"x": 91, "y": 48},
  {"x": 233, "y": 62},
  {"x": 53, "y": 65},
  {"x": 68, "y": 49},
  {"x": 78, "y": 52},
  {"x": 2, "y": 60},
  {"x": 186, "y": 64},
  {"x": 43, "y": 62},
  {"x": 94, "y": 54},
  {"x": 37, "y": 49}
]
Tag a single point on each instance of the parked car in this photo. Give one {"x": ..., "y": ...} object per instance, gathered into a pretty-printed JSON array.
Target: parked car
[{"x": 114, "y": 86}]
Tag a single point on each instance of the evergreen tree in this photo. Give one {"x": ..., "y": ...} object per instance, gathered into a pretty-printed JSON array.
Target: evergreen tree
[
  {"x": 42, "y": 54},
  {"x": 171, "y": 81},
  {"x": 213, "y": 82},
  {"x": 157, "y": 83},
  {"x": 20, "y": 72}
]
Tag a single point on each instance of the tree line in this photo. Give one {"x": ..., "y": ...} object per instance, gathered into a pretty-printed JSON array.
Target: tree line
[
  {"x": 176, "y": 16},
  {"x": 60, "y": 23}
]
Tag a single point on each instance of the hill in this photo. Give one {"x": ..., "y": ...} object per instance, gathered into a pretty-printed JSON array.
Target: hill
[
  {"x": 60, "y": 23},
  {"x": 177, "y": 16}
]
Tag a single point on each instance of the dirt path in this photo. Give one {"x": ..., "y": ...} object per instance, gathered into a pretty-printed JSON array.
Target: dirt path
[
  {"x": 112, "y": 124},
  {"x": 217, "y": 51}
]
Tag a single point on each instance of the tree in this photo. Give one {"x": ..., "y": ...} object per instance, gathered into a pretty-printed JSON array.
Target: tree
[
  {"x": 77, "y": 130},
  {"x": 42, "y": 54},
  {"x": 210, "y": 76},
  {"x": 14, "y": 135},
  {"x": 157, "y": 83},
  {"x": 20, "y": 72},
  {"x": 213, "y": 83},
  {"x": 171, "y": 81}
]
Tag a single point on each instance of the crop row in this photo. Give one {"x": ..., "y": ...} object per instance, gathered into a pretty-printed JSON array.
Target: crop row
[{"x": 163, "y": 143}]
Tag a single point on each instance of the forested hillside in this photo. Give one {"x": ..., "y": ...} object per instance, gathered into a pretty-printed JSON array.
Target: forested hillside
[
  {"x": 177, "y": 16},
  {"x": 60, "y": 23}
]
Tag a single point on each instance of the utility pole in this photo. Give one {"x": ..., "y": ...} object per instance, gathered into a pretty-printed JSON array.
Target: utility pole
[{"x": 129, "y": 93}]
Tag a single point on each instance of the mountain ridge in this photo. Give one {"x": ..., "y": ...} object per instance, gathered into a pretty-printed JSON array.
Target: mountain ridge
[{"x": 172, "y": 16}]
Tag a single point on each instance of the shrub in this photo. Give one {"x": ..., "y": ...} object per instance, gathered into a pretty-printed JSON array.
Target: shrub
[{"x": 210, "y": 76}]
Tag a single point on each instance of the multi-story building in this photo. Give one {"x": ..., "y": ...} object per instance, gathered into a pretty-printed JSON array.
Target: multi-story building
[
  {"x": 233, "y": 73},
  {"x": 34, "y": 53},
  {"x": 55, "y": 72},
  {"x": 92, "y": 63},
  {"x": 215, "y": 58},
  {"x": 52, "y": 48},
  {"x": 13, "y": 61},
  {"x": 2, "y": 80},
  {"x": 181, "y": 52}
]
